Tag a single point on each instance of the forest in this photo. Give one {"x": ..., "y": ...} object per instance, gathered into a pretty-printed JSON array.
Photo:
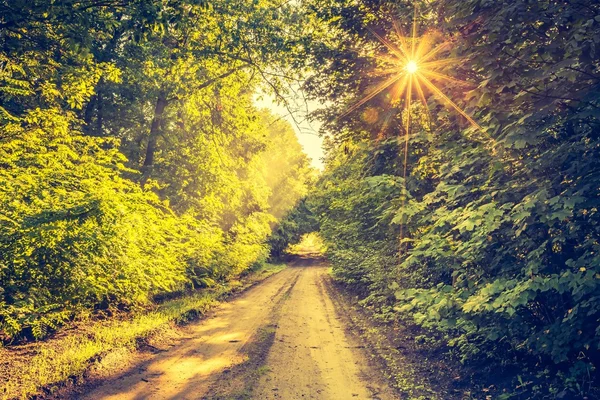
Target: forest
[
  {"x": 134, "y": 163},
  {"x": 459, "y": 197}
]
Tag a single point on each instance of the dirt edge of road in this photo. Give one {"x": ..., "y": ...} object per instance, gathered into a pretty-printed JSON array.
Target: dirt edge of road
[
  {"x": 391, "y": 346},
  {"x": 145, "y": 348}
]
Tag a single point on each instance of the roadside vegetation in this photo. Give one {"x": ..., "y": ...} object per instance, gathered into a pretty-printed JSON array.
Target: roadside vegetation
[
  {"x": 135, "y": 167},
  {"x": 133, "y": 161}
]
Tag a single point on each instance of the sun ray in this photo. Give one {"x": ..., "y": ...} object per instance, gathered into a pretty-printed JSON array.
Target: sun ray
[
  {"x": 424, "y": 101},
  {"x": 444, "y": 77},
  {"x": 408, "y": 113},
  {"x": 398, "y": 89},
  {"x": 445, "y": 98},
  {"x": 439, "y": 48},
  {"x": 388, "y": 71},
  {"x": 423, "y": 47},
  {"x": 401, "y": 38},
  {"x": 398, "y": 52},
  {"x": 414, "y": 34},
  {"x": 441, "y": 63},
  {"x": 380, "y": 88},
  {"x": 385, "y": 58},
  {"x": 388, "y": 60},
  {"x": 421, "y": 96},
  {"x": 406, "y": 140}
]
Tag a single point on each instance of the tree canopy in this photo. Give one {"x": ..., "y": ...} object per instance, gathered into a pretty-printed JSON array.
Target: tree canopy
[
  {"x": 134, "y": 162},
  {"x": 490, "y": 239}
]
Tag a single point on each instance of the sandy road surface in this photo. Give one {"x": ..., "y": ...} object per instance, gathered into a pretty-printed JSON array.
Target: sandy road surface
[
  {"x": 312, "y": 357},
  {"x": 310, "y": 354}
]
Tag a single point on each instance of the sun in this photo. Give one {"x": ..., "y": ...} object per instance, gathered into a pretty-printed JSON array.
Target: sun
[{"x": 411, "y": 67}]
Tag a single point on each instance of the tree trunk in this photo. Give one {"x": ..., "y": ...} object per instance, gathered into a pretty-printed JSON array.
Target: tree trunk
[
  {"x": 89, "y": 113},
  {"x": 161, "y": 104},
  {"x": 100, "y": 113}
]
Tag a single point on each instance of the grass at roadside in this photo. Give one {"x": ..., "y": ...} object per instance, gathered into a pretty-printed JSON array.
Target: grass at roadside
[
  {"x": 407, "y": 371},
  {"x": 27, "y": 369},
  {"x": 241, "y": 380}
]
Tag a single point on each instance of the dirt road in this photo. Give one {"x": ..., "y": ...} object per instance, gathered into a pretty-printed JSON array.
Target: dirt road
[{"x": 282, "y": 339}]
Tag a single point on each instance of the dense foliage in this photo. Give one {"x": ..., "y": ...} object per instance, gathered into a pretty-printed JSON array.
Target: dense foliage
[
  {"x": 133, "y": 162},
  {"x": 499, "y": 254},
  {"x": 292, "y": 227}
]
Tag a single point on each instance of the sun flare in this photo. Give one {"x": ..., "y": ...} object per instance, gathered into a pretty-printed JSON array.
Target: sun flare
[{"x": 412, "y": 67}]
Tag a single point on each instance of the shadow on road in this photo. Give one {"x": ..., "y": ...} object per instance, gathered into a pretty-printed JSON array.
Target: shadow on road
[{"x": 305, "y": 259}]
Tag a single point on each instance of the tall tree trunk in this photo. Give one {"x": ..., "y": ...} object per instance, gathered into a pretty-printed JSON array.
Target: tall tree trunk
[
  {"x": 95, "y": 103},
  {"x": 100, "y": 113},
  {"x": 89, "y": 113},
  {"x": 161, "y": 104}
]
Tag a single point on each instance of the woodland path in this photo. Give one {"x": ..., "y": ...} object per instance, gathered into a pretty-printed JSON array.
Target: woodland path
[{"x": 281, "y": 339}]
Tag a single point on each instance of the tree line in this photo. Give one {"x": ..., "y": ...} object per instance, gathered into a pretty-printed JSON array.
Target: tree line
[
  {"x": 490, "y": 244},
  {"x": 133, "y": 162}
]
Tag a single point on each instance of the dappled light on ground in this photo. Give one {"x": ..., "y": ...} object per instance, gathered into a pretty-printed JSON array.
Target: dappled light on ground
[{"x": 208, "y": 348}]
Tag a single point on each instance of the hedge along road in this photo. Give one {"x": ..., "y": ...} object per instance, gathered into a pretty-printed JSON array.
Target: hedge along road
[{"x": 282, "y": 339}]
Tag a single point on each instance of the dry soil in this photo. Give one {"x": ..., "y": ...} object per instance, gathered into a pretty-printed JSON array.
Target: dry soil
[{"x": 282, "y": 339}]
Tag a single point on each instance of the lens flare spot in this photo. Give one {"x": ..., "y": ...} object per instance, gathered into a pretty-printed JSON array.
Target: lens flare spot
[{"x": 370, "y": 115}]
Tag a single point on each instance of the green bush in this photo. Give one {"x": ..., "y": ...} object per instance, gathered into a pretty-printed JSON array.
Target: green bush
[{"x": 75, "y": 234}]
